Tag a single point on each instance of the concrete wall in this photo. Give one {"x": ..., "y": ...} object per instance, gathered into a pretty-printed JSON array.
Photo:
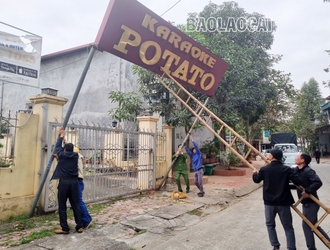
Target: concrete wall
[{"x": 17, "y": 184}]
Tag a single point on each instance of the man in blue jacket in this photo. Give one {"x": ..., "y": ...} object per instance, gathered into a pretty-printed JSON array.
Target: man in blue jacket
[
  {"x": 311, "y": 182},
  {"x": 277, "y": 197},
  {"x": 67, "y": 173},
  {"x": 196, "y": 159}
]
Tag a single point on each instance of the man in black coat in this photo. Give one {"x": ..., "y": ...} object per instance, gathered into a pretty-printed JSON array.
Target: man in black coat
[
  {"x": 67, "y": 173},
  {"x": 311, "y": 182},
  {"x": 277, "y": 197},
  {"x": 317, "y": 155}
]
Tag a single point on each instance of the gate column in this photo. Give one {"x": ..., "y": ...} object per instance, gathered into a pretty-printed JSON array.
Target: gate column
[
  {"x": 147, "y": 147},
  {"x": 168, "y": 146},
  {"x": 114, "y": 148},
  {"x": 47, "y": 106}
]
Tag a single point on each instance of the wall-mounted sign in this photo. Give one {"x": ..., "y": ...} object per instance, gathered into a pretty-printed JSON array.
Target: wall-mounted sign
[
  {"x": 20, "y": 58},
  {"x": 265, "y": 137}
]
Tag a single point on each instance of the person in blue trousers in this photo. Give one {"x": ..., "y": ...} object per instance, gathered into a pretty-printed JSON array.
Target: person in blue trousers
[
  {"x": 85, "y": 216},
  {"x": 196, "y": 159}
]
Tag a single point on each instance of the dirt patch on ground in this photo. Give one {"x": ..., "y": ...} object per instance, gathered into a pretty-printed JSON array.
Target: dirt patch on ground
[{"x": 22, "y": 229}]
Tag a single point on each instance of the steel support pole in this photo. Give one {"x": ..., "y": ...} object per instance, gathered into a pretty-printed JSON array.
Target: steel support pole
[{"x": 65, "y": 122}]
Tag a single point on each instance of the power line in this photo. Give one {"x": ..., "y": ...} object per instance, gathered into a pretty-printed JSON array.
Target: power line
[{"x": 171, "y": 7}]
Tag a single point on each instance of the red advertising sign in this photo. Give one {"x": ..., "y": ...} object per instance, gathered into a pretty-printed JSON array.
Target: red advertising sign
[{"x": 133, "y": 32}]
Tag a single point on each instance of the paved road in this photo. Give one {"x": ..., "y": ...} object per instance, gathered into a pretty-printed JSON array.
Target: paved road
[
  {"x": 242, "y": 226},
  {"x": 238, "y": 227}
]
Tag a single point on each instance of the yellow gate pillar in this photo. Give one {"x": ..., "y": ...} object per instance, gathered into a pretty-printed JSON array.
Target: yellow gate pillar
[
  {"x": 146, "y": 154},
  {"x": 72, "y": 137},
  {"x": 114, "y": 148},
  {"x": 168, "y": 130},
  {"x": 48, "y": 107}
]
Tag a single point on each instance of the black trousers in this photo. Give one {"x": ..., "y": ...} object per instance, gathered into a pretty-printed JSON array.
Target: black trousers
[
  {"x": 317, "y": 159},
  {"x": 68, "y": 189}
]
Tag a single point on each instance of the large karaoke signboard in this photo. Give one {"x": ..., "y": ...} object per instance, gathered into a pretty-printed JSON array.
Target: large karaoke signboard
[{"x": 133, "y": 32}]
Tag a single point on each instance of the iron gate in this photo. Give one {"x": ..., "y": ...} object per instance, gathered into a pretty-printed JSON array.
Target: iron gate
[{"x": 117, "y": 162}]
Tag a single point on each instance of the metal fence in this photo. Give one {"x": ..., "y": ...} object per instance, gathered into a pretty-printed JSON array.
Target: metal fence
[
  {"x": 6, "y": 158},
  {"x": 117, "y": 162},
  {"x": 6, "y": 141}
]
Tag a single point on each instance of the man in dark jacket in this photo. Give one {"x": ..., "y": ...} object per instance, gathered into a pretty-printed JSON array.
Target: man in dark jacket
[
  {"x": 311, "y": 183},
  {"x": 277, "y": 197},
  {"x": 317, "y": 155},
  {"x": 67, "y": 173}
]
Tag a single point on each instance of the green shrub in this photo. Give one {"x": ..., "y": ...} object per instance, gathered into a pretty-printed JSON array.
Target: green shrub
[{"x": 233, "y": 159}]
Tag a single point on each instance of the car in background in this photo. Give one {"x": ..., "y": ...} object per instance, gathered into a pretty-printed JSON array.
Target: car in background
[
  {"x": 287, "y": 147},
  {"x": 289, "y": 159}
]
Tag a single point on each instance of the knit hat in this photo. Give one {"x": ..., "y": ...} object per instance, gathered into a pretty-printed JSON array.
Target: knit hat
[{"x": 277, "y": 154}]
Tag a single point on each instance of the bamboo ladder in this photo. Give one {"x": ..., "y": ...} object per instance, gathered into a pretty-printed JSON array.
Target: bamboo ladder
[{"x": 181, "y": 94}]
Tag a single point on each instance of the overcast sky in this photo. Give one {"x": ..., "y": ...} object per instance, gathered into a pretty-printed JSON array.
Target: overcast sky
[{"x": 302, "y": 35}]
